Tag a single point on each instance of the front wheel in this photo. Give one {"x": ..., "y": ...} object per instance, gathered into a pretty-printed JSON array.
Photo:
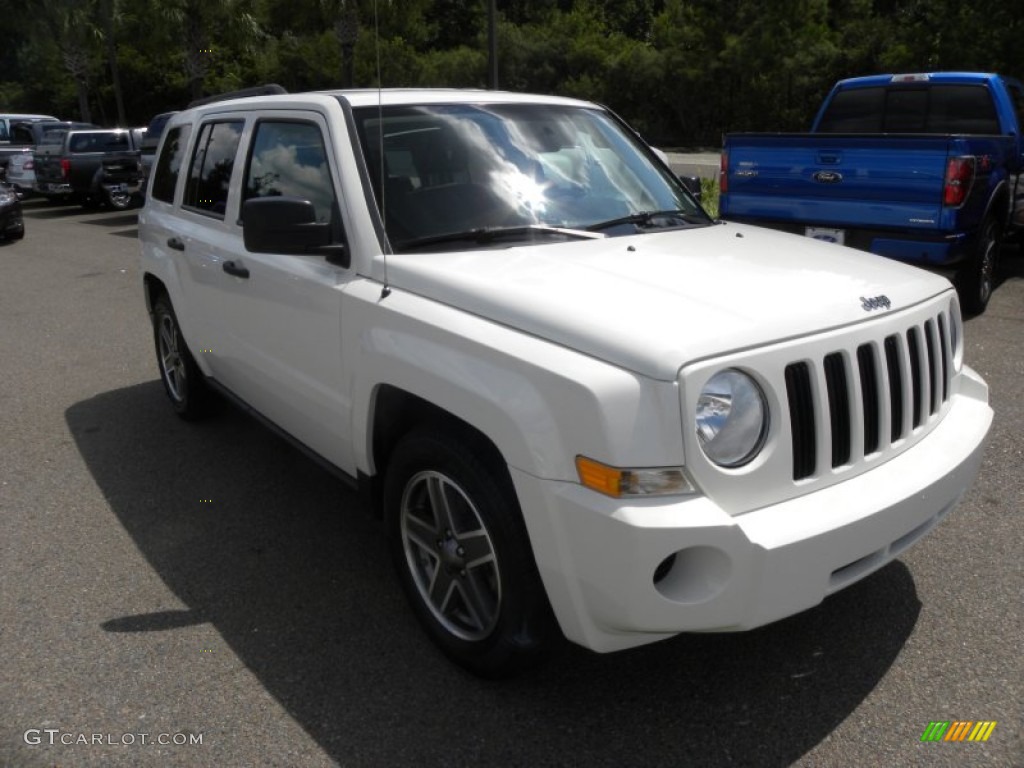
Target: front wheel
[
  {"x": 977, "y": 277},
  {"x": 463, "y": 555},
  {"x": 183, "y": 381}
]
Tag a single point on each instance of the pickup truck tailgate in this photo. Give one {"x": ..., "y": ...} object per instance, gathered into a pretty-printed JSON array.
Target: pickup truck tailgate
[{"x": 837, "y": 179}]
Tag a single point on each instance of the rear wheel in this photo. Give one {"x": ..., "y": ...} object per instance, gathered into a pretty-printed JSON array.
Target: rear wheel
[
  {"x": 119, "y": 201},
  {"x": 463, "y": 556},
  {"x": 182, "y": 379},
  {"x": 976, "y": 280}
]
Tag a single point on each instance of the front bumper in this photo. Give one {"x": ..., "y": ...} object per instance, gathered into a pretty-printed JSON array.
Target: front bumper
[{"x": 598, "y": 556}]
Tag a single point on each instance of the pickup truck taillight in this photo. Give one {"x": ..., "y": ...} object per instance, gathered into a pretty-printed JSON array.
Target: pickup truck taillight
[
  {"x": 959, "y": 177},
  {"x": 723, "y": 176},
  {"x": 65, "y": 167}
]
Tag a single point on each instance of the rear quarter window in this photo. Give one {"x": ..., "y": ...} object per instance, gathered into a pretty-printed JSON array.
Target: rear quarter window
[{"x": 168, "y": 166}]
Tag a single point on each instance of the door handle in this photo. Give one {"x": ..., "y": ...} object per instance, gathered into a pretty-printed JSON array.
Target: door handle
[
  {"x": 233, "y": 269},
  {"x": 176, "y": 244}
]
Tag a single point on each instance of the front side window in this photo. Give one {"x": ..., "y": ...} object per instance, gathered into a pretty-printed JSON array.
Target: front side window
[
  {"x": 458, "y": 175},
  {"x": 213, "y": 160},
  {"x": 168, "y": 166},
  {"x": 289, "y": 159}
]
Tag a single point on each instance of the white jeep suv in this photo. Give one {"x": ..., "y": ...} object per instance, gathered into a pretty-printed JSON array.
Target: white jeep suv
[{"x": 583, "y": 407}]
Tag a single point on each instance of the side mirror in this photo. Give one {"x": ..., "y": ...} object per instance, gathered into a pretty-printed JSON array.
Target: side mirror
[
  {"x": 288, "y": 225},
  {"x": 692, "y": 184}
]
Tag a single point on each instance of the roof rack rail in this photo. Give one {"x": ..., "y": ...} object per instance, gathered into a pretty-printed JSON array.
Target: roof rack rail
[{"x": 271, "y": 89}]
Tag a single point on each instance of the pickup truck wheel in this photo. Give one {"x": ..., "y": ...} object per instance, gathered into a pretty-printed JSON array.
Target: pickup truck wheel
[
  {"x": 977, "y": 278},
  {"x": 182, "y": 379},
  {"x": 463, "y": 555},
  {"x": 119, "y": 201}
]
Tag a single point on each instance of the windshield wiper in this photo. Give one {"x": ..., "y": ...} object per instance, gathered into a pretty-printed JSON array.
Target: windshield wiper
[
  {"x": 644, "y": 218},
  {"x": 489, "y": 234}
]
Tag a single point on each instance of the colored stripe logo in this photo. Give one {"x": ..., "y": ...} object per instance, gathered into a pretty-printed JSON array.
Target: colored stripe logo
[{"x": 958, "y": 730}]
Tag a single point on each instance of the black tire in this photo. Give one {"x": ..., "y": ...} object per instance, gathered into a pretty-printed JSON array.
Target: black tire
[
  {"x": 120, "y": 201},
  {"x": 977, "y": 278},
  {"x": 466, "y": 566},
  {"x": 183, "y": 381}
]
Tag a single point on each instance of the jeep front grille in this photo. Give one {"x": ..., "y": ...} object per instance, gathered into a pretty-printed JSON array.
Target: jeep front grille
[{"x": 869, "y": 391}]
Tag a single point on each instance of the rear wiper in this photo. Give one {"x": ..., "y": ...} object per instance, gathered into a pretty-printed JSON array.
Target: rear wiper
[
  {"x": 643, "y": 218},
  {"x": 489, "y": 234}
]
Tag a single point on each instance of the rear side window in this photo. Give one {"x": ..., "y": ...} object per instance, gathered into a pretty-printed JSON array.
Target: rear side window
[
  {"x": 1018, "y": 101},
  {"x": 22, "y": 134},
  {"x": 213, "y": 160},
  {"x": 900, "y": 109},
  {"x": 289, "y": 159},
  {"x": 168, "y": 167}
]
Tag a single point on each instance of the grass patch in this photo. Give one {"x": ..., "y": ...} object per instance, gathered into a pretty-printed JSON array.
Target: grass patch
[{"x": 709, "y": 196}]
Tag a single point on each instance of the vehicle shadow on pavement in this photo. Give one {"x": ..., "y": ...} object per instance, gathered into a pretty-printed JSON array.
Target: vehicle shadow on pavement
[
  {"x": 297, "y": 581},
  {"x": 114, "y": 219},
  {"x": 54, "y": 210}
]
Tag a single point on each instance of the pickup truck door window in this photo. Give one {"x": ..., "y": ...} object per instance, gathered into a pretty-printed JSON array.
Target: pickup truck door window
[
  {"x": 284, "y": 345},
  {"x": 213, "y": 160}
]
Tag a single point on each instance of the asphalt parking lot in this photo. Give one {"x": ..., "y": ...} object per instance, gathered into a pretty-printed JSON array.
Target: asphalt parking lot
[{"x": 209, "y": 587}]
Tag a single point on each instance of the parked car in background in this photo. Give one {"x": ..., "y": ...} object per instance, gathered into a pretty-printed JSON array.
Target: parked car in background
[
  {"x": 26, "y": 136},
  {"x": 150, "y": 141},
  {"x": 923, "y": 168},
  {"x": 6, "y": 149},
  {"x": 91, "y": 167},
  {"x": 7, "y": 119},
  {"x": 12, "y": 225}
]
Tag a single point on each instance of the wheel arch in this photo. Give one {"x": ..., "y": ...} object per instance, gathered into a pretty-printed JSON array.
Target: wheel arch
[
  {"x": 152, "y": 288},
  {"x": 998, "y": 206},
  {"x": 397, "y": 412}
]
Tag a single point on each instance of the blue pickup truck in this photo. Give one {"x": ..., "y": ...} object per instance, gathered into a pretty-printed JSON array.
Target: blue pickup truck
[{"x": 924, "y": 168}]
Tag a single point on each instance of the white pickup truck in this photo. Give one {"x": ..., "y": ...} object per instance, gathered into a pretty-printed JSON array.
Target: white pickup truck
[{"x": 582, "y": 407}]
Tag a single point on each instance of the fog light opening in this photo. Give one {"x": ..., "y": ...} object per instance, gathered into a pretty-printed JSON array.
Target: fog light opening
[
  {"x": 664, "y": 567},
  {"x": 693, "y": 575}
]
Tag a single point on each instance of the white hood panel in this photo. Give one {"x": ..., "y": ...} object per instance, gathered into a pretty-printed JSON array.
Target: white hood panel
[{"x": 654, "y": 302}]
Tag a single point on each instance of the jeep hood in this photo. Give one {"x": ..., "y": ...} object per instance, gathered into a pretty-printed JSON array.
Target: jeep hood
[{"x": 654, "y": 302}]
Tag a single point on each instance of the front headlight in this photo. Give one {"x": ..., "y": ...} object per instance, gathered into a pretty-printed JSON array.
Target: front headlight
[{"x": 732, "y": 418}]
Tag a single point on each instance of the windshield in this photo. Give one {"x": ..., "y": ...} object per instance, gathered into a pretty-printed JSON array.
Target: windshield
[{"x": 520, "y": 169}]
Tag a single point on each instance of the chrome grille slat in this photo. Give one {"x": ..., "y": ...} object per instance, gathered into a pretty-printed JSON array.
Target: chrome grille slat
[{"x": 858, "y": 401}]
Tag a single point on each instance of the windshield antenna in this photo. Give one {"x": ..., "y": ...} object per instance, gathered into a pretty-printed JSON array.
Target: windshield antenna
[{"x": 386, "y": 290}]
